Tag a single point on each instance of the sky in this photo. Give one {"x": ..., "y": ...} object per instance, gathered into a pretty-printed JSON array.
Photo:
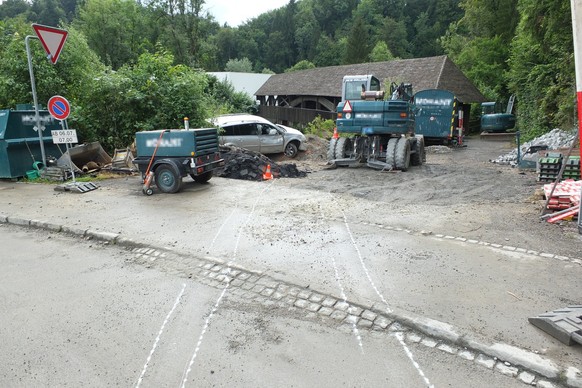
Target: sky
[{"x": 236, "y": 12}]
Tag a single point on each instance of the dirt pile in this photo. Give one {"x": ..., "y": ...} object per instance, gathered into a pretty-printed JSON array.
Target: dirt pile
[{"x": 250, "y": 165}]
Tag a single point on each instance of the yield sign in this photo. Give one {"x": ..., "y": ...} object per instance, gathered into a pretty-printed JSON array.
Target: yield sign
[{"x": 52, "y": 39}]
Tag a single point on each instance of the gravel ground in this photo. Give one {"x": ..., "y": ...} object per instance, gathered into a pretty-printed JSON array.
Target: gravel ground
[{"x": 459, "y": 191}]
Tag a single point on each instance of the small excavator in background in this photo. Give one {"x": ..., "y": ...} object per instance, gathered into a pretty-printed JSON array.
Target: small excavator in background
[{"x": 493, "y": 119}]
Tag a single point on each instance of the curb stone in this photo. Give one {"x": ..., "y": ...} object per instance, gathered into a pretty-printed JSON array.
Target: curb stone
[{"x": 527, "y": 367}]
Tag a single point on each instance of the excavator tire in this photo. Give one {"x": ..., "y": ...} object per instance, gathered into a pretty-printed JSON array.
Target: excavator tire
[
  {"x": 331, "y": 149},
  {"x": 343, "y": 148},
  {"x": 391, "y": 151},
  {"x": 402, "y": 157},
  {"x": 418, "y": 157}
]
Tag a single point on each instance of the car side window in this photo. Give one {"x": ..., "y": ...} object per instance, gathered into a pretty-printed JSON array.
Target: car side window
[
  {"x": 265, "y": 129},
  {"x": 229, "y": 130},
  {"x": 247, "y": 129}
]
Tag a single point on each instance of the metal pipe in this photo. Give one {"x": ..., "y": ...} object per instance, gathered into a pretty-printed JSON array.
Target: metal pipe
[{"x": 39, "y": 128}]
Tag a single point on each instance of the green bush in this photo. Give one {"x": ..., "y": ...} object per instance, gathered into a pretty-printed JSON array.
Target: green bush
[{"x": 320, "y": 127}]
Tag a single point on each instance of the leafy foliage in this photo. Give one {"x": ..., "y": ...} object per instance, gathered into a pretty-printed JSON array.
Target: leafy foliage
[
  {"x": 153, "y": 94},
  {"x": 125, "y": 58},
  {"x": 320, "y": 127}
]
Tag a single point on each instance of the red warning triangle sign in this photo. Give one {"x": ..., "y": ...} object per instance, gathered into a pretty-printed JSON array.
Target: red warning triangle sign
[
  {"x": 52, "y": 39},
  {"x": 347, "y": 107}
]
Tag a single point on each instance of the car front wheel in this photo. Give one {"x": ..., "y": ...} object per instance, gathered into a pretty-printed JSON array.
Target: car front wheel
[{"x": 291, "y": 150}]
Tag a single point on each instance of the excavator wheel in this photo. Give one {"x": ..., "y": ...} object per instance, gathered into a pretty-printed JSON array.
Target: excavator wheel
[
  {"x": 391, "y": 151},
  {"x": 418, "y": 157},
  {"x": 402, "y": 157},
  {"x": 343, "y": 148},
  {"x": 331, "y": 149}
]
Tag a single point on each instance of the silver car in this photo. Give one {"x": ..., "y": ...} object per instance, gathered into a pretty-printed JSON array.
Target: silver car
[{"x": 258, "y": 134}]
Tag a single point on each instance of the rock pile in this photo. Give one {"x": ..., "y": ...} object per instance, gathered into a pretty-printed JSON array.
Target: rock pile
[
  {"x": 552, "y": 140},
  {"x": 249, "y": 165}
]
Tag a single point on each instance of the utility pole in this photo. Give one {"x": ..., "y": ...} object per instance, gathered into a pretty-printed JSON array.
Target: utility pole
[{"x": 576, "y": 6}]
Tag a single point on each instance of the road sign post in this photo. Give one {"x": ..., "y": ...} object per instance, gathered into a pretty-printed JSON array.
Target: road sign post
[
  {"x": 576, "y": 9},
  {"x": 59, "y": 108},
  {"x": 52, "y": 40}
]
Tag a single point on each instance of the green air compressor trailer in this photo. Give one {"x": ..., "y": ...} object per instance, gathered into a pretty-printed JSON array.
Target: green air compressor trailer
[
  {"x": 173, "y": 154},
  {"x": 20, "y": 150}
]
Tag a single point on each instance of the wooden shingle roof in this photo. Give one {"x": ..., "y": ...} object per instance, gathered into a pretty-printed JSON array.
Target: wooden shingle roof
[{"x": 424, "y": 73}]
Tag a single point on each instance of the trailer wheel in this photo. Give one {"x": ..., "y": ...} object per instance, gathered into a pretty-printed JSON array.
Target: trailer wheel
[
  {"x": 167, "y": 180},
  {"x": 402, "y": 158},
  {"x": 391, "y": 151},
  {"x": 331, "y": 149},
  {"x": 418, "y": 157},
  {"x": 202, "y": 178}
]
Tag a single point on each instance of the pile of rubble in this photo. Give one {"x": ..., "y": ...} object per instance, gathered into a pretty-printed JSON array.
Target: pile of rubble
[
  {"x": 249, "y": 165},
  {"x": 552, "y": 140}
]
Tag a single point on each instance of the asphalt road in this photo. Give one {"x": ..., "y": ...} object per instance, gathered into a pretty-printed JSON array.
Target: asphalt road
[
  {"x": 376, "y": 252},
  {"x": 83, "y": 313}
]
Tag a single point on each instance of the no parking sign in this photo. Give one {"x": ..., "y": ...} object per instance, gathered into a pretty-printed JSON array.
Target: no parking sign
[{"x": 59, "y": 107}]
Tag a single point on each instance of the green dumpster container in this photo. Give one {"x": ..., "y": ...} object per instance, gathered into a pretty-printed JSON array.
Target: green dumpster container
[{"x": 19, "y": 141}]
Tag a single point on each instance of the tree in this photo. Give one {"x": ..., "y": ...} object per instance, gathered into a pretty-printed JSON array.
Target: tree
[
  {"x": 541, "y": 67},
  {"x": 307, "y": 33},
  {"x": 243, "y": 65},
  {"x": 13, "y": 8},
  {"x": 115, "y": 29},
  {"x": 479, "y": 43},
  {"x": 357, "y": 45},
  {"x": 70, "y": 77},
  {"x": 301, "y": 65},
  {"x": 381, "y": 53},
  {"x": 47, "y": 12},
  {"x": 152, "y": 94}
]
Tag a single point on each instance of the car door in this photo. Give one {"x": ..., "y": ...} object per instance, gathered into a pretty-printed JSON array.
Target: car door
[
  {"x": 241, "y": 135},
  {"x": 270, "y": 138},
  {"x": 249, "y": 137}
]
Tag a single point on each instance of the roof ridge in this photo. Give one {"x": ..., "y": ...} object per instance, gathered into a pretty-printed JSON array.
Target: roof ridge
[{"x": 441, "y": 72}]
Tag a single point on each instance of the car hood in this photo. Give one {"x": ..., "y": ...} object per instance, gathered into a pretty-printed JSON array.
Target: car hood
[{"x": 289, "y": 130}]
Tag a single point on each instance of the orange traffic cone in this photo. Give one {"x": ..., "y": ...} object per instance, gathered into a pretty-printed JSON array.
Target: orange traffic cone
[
  {"x": 335, "y": 134},
  {"x": 267, "y": 175}
]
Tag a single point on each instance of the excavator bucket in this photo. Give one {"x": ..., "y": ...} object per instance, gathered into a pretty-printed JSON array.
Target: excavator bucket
[{"x": 85, "y": 158}]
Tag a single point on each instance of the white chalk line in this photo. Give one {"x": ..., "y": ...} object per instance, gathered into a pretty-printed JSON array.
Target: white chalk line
[
  {"x": 157, "y": 340},
  {"x": 400, "y": 337},
  {"x": 206, "y": 324},
  {"x": 227, "y": 281},
  {"x": 220, "y": 229},
  {"x": 343, "y": 295},
  {"x": 365, "y": 268}
]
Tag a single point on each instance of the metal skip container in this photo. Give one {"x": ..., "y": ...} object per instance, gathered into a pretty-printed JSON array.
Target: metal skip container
[{"x": 19, "y": 141}]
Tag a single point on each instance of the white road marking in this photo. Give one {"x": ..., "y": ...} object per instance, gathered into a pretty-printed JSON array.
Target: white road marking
[
  {"x": 365, "y": 268},
  {"x": 227, "y": 280},
  {"x": 344, "y": 299},
  {"x": 145, "y": 367},
  {"x": 400, "y": 337}
]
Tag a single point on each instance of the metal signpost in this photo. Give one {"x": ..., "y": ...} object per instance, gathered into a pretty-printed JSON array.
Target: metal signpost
[
  {"x": 59, "y": 108},
  {"x": 52, "y": 40}
]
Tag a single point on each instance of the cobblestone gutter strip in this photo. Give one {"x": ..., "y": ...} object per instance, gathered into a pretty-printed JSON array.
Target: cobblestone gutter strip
[{"x": 525, "y": 366}]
